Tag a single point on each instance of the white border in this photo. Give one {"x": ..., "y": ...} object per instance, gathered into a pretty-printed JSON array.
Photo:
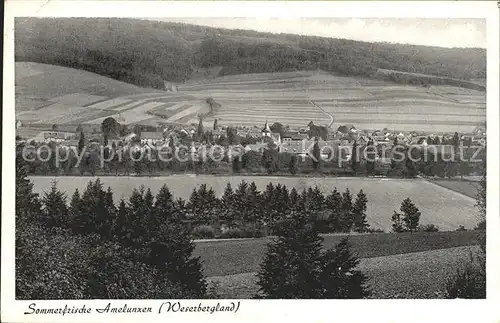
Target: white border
[{"x": 252, "y": 310}]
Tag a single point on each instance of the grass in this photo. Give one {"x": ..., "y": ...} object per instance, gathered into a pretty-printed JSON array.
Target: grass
[
  {"x": 52, "y": 81},
  {"x": 228, "y": 257},
  {"x": 412, "y": 275},
  {"x": 465, "y": 187},
  {"x": 438, "y": 205}
]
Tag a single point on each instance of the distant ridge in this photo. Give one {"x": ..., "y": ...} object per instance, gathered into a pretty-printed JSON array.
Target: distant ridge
[{"x": 148, "y": 53}]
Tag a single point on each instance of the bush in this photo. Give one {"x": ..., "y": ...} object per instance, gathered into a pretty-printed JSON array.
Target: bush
[
  {"x": 244, "y": 232},
  {"x": 461, "y": 228},
  {"x": 203, "y": 232},
  {"x": 374, "y": 230},
  {"x": 469, "y": 280},
  {"x": 232, "y": 233},
  {"x": 428, "y": 228}
]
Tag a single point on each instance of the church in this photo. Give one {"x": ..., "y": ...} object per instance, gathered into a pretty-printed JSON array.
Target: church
[{"x": 266, "y": 132}]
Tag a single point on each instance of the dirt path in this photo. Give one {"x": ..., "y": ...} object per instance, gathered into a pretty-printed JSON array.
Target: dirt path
[{"x": 332, "y": 119}]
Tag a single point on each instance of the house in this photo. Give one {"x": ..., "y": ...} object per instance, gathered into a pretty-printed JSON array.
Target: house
[
  {"x": 218, "y": 133},
  {"x": 69, "y": 144},
  {"x": 363, "y": 140},
  {"x": 129, "y": 138},
  {"x": 56, "y": 136},
  {"x": 151, "y": 137},
  {"x": 256, "y": 147}
]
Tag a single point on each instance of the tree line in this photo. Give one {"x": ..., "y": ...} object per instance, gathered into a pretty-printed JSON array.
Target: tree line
[
  {"x": 92, "y": 249},
  {"x": 122, "y": 160}
]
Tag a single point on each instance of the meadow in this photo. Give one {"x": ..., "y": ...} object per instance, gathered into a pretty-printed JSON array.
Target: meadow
[{"x": 439, "y": 206}]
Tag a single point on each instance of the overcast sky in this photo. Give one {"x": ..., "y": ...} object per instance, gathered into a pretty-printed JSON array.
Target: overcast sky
[{"x": 429, "y": 32}]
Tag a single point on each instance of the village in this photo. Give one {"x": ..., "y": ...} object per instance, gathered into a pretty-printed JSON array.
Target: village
[{"x": 282, "y": 138}]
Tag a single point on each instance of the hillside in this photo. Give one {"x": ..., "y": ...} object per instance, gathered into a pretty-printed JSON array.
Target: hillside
[
  {"x": 48, "y": 94},
  {"x": 146, "y": 53}
]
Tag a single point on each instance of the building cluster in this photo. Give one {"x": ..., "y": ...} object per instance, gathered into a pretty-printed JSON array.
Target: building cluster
[{"x": 297, "y": 141}]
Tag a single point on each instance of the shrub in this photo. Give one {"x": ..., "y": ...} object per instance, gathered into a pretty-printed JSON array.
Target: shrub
[
  {"x": 203, "y": 232},
  {"x": 374, "y": 230},
  {"x": 469, "y": 280},
  {"x": 232, "y": 233},
  {"x": 461, "y": 228},
  {"x": 428, "y": 228},
  {"x": 243, "y": 232}
]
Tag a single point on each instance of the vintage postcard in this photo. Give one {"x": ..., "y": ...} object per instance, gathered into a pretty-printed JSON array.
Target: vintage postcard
[{"x": 246, "y": 161}]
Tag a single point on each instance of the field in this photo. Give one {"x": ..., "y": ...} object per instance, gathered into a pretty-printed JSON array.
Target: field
[
  {"x": 50, "y": 94},
  {"x": 411, "y": 275},
  {"x": 47, "y": 94},
  {"x": 440, "y": 206},
  {"x": 246, "y": 255},
  {"x": 465, "y": 187},
  {"x": 300, "y": 97}
]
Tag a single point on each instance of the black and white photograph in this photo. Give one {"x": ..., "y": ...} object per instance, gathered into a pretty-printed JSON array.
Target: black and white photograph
[{"x": 249, "y": 158}]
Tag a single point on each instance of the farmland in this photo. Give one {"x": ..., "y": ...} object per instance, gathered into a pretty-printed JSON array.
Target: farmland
[
  {"x": 291, "y": 98},
  {"x": 315, "y": 96},
  {"x": 388, "y": 275},
  {"x": 440, "y": 206}
]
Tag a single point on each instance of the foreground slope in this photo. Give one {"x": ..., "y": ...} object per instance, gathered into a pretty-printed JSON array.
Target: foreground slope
[{"x": 412, "y": 275}]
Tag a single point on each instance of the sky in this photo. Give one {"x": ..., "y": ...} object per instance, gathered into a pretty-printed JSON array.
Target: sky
[{"x": 455, "y": 32}]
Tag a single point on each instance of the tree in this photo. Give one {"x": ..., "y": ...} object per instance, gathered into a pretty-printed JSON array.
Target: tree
[
  {"x": 55, "y": 127},
  {"x": 294, "y": 164},
  {"x": 171, "y": 253},
  {"x": 277, "y": 128},
  {"x": 397, "y": 222},
  {"x": 227, "y": 208},
  {"x": 354, "y": 157},
  {"x": 410, "y": 215},
  {"x": 359, "y": 212},
  {"x": 469, "y": 280},
  {"x": 81, "y": 142},
  {"x": 371, "y": 154},
  {"x": 55, "y": 210},
  {"x": 95, "y": 215},
  {"x": 236, "y": 164},
  {"x": 110, "y": 127},
  {"x": 216, "y": 126},
  {"x": 339, "y": 277},
  {"x": 270, "y": 160},
  {"x": 164, "y": 207},
  {"x": 456, "y": 140},
  {"x": 200, "y": 132},
  {"x": 334, "y": 204},
  {"x": 346, "y": 214},
  {"x": 295, "y": 266},
  {"x": 316, "y": 152}
]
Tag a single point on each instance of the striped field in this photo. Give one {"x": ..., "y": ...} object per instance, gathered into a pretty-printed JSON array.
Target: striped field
[{"x": 291, "y": 98}]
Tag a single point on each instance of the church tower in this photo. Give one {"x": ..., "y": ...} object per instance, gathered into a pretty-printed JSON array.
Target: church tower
[{"x": 266, "y": 132}]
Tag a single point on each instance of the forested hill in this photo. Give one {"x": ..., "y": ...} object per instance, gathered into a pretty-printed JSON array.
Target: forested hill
[{"x": 146, "y": 52}]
